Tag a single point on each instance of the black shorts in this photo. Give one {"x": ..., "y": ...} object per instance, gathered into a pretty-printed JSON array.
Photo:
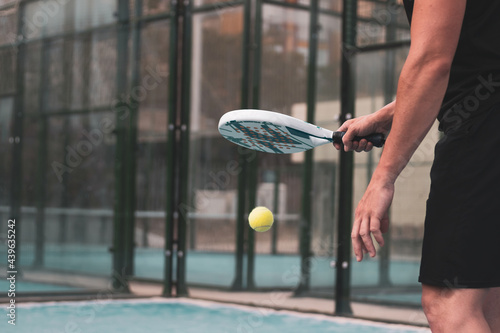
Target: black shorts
[{"x": 461, "y": 247}]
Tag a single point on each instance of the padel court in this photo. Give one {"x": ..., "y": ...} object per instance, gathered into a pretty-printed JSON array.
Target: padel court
[{"x": 113, "y": 168}]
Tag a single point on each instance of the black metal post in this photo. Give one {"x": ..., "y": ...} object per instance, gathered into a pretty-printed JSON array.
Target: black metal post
[
  {"x": 178, "y": 150},
  {"x": 253, "y": 164},
  {"x": 183, "y": 159},
  {"x": 307, "y": 178},
  {"x": 243, "y": 159},
  {"x": 343, "y": 263},
  {"x": 131, "y": 146},
  {"x": 172, "y": 146},
  {"x": 122, "y": 112}
]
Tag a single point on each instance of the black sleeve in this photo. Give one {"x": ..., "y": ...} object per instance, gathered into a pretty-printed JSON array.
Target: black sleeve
[{"x": 409, "y": 8}]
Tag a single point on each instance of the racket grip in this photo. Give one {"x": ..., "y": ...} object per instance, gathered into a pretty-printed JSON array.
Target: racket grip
[{"x": 377, "y": 139}]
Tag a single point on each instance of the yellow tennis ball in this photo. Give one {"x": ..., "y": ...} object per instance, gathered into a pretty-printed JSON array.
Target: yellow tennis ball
[{"x": 261, "y": 219}]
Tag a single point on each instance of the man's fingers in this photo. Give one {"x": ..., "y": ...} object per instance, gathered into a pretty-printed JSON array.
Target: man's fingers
[
  {"x": 350, "y": 134},
  {"x": 377, "y": 234},
  {"x": 351, "y": 145},
  {"x": 365, "y": 229},
  {"x": 348, "y": 143},
  {"x": 364, "y": 248},
  {"x": 357, "y": 243},
  {"x": 358, "y": 147},
  {"x": 343, "y": 128},
  {"x": 345, "y": 125},
  {"x": 369, "y": 146},
  {"x": 365, "y": 234},
  {"x": 357, "y": 246},
  {"x": 362, "y": 145}
]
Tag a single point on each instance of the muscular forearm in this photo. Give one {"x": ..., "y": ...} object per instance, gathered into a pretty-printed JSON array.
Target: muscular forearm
[
  {"x": 435, "y": 32},
  {"x": 420, "y": 92}
]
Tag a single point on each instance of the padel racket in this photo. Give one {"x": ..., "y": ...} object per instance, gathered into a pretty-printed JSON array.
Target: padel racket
[{"x": 277, "y": 133}]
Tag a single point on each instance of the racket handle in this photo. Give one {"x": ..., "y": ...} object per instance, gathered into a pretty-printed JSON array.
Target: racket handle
[{"x": 377, "y": 139}]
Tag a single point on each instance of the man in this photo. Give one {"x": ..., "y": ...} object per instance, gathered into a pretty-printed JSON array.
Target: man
[{"x": 452, "y": 73}]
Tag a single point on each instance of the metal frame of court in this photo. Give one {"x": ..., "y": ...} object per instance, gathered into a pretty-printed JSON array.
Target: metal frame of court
[{"x": 129, "y": 20}]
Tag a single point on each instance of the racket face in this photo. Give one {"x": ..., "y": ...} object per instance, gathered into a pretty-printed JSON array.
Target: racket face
[{"x": 271, "y": 132}]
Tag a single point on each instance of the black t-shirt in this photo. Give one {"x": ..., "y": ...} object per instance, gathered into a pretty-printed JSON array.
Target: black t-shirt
[{"x": 474, "y": 84}]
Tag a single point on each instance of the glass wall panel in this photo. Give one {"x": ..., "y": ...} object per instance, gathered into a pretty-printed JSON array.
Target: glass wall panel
[
  {"x": 283, "y": 88},
  {"x": 93, "y": 13},
  {"x": 151, "y": 149},
  {"x": 152, "y": 7},
  {"x": 52, "y": 17},
  {"x": 7, "y": 68},
  {"x": 8, "y": 23},
  {"x": 67, "y": 210},
  {"x": 333, "y": 5},
  {"x": 102, "y": 66},
  {"x": 53, "y": 86},
  {"x": 67, "y": 160},
  {"x": 381, "y": 21},
  {"x": 214, "y": 162},
  {"x": 324, "y": 226},
  {"x": 32, "y": 77},
  {"x": 78, "y": 85}
]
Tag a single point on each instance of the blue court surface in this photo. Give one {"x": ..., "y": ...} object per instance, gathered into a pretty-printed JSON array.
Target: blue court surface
[
  {"x": 180, "y": 316},
  {"x": 218, "y": 270}
]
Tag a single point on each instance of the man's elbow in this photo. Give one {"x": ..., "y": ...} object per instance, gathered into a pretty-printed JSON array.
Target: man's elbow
[
  {"x": 440, "y": 66},
  {"x": 432, "y": 65}
]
